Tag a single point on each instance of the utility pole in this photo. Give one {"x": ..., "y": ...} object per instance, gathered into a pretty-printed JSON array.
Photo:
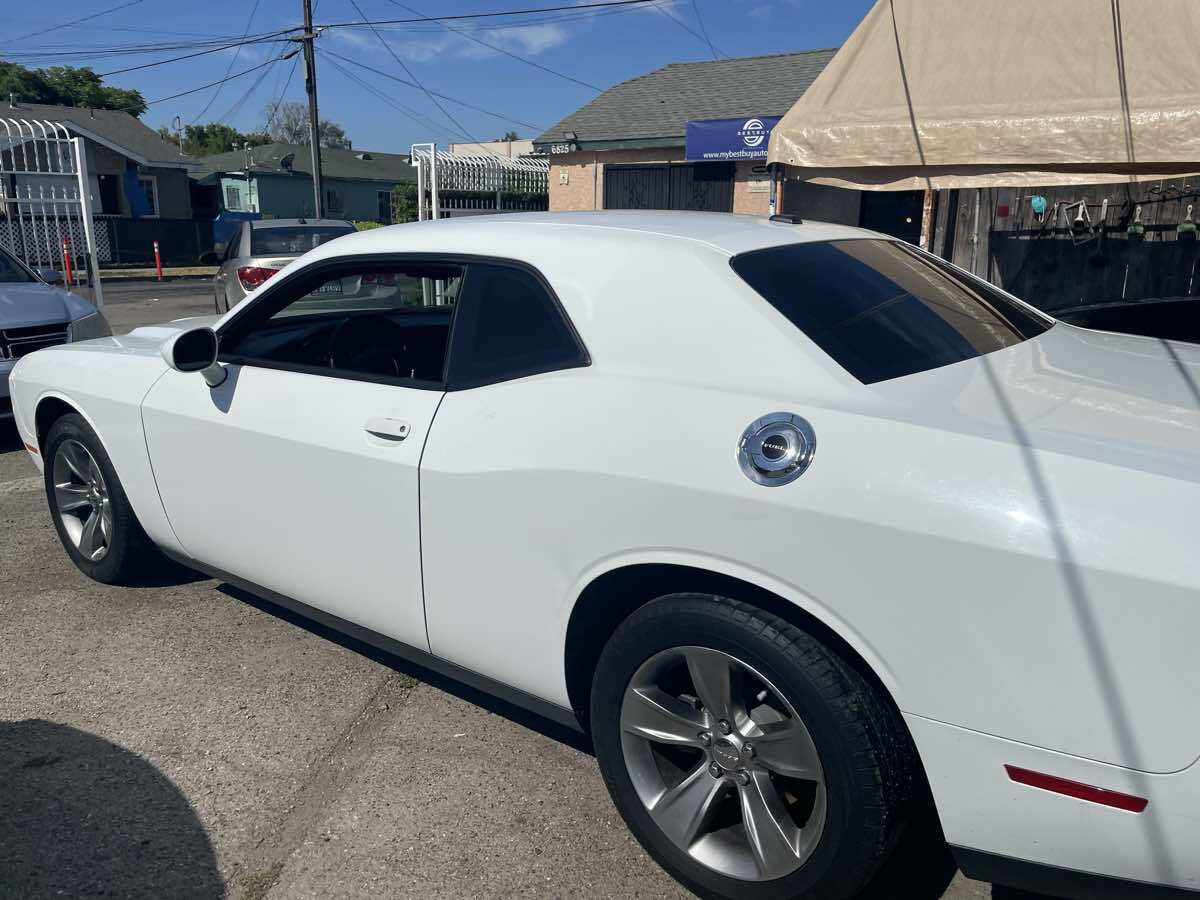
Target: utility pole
[{"x": 310, "y": 85}]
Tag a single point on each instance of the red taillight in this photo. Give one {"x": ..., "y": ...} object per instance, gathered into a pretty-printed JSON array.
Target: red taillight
[
  {"x": 252, "y": 276},
  {"x": 378, "y": 278},
  {"x": 1077, "y": 789}
]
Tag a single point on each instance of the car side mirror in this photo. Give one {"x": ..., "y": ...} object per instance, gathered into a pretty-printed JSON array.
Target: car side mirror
[
  {"x": 50, "y": 276},
  {"x": 195, "y": 350}
]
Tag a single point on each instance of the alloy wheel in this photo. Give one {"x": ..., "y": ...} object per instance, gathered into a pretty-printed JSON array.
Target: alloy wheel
[
  {"x": 722, "y": 763},
  {"x": 82, "y": 500}
]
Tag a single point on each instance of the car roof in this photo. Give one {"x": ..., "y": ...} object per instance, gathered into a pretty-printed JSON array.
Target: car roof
[
  {"x": 725, "y": 232},
  {"x": 293, "y": 223}
]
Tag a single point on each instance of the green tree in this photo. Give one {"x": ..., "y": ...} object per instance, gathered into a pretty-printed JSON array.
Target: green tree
[
  {"x": 404, "y": 203},
  {"x": 66, "y": 86},
  {"x": 509, "y": 136},
  {"x": 215, "y": 137}
]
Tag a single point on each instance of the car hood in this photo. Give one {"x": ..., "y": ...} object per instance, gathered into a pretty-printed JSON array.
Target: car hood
[
  {"x": 32, "y": 303},
  {"x": 1115, "y": 398}
]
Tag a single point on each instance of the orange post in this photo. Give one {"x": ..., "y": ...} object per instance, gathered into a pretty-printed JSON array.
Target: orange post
[
  {"x": 66, "y": 250},
  {"x": 157, "y": 261}
]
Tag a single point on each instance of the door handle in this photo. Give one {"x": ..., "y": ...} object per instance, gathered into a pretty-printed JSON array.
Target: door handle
[{"x": 390, "y": 429}]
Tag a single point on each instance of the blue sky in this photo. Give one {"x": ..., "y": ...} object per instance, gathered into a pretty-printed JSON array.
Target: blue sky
[{"x": 600, "y": 47}]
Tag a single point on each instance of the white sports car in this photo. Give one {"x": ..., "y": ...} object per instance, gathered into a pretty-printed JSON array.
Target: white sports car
[{"x": 813, "y": 533}]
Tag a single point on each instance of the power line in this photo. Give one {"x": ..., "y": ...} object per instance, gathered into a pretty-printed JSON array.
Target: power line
[
  {"x": 684, "y": 25},
  {"x": 273, "y": 37},
  {"x": 409, "y": 73},
  {"x": 492, "y": 15},
  {"x": 229, "y": 68},
  {"x": 703, "y": 30},
  {"x": 204, "y": 87},
  {"x": 399, "y": 107},
  {"x": 103, "y": 12},
  {"x": 462, "y": 103},
  {"x": 241, "y": 101},
  {"x": 484, "y": 43},
  {"x": 279, "y": 102}
]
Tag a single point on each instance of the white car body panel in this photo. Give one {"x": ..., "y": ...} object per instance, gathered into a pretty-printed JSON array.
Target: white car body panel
[
  {"x": 255, "y": 483},
  {"x": 1008, "y": 542}
]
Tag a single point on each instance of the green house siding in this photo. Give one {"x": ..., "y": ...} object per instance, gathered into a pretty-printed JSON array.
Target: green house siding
[{"x": 287, "y": 197}]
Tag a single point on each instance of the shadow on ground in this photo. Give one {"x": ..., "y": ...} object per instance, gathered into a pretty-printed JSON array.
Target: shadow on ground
[
  {"x": 10, "y": 441},
  {"x": 80, "y": 816},
  {"x": 506, "y": 710}
]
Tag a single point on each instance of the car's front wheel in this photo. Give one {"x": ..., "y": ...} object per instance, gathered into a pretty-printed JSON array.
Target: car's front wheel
[
  {"x": 91, "y": 513},
  {"x": 750, "y": 759}
]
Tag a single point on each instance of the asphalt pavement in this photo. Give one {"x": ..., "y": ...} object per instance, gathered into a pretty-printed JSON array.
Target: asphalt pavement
[{"x": 184, "y": 739}]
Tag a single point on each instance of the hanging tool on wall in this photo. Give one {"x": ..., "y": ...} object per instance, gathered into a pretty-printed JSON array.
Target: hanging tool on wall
[
  {"x": 1186, "y": 230},
  {"x": 1099, "y": 256},
  {"x": 1038, "y": 203},
  {"x": 1080, "y": 223},
  {"x": 1136, "y": 230}
]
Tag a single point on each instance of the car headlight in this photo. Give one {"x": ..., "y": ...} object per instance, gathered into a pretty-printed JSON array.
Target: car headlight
[{"x": 89, "y": 327}]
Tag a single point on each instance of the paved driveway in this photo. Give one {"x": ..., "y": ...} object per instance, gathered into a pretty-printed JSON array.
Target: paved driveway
[{"x": 184, "y": 739}]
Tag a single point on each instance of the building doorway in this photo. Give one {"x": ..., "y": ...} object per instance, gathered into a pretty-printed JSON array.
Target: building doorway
[{"x": 897, "y": 213}]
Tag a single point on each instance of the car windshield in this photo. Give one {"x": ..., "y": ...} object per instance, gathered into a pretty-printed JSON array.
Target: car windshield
[
  {"x": 883, "y": 309},
  {"x": 293, "y": 238},
  {"x": 12, "y": 271}
]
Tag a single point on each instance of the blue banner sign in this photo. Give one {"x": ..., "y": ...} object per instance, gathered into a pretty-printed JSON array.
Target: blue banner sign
[{"x": 713, "y": 140}]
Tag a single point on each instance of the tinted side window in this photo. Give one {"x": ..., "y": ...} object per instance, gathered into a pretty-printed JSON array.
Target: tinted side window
[
  {"x": 383, "y": 320},
  {"x": 508, "y": 326},
  {"x": 293, "y": 238},
  {"x": 235, "y": 241},
  {"x": 881, "y": 309}
]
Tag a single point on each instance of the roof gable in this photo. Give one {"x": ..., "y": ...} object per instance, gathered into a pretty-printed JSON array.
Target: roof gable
[
  {"x": 661, "y": 103},
  {"x": 114, "y": 128}
]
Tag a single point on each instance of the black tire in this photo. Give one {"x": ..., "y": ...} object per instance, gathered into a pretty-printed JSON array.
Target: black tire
[
  {"x": 129, "y": 549},
  {"x": 870, "y": 768}
]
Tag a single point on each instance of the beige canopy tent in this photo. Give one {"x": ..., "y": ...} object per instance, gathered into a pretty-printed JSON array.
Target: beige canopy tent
[{"x": 983, "y": 93}]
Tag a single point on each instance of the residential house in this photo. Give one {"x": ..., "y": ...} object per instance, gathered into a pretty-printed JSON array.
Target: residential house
[
  {"x": 276, "y": 181},
  {"x": 133, "y": 171}
]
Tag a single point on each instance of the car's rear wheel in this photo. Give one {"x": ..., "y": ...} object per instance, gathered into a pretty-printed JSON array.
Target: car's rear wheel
[
  {"x": 747, "y": 757},
  {"x": 91, "y": 513}
]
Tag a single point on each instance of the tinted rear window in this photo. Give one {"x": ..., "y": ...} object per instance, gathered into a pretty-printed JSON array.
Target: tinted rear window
[
  {"x": 881, "y": 309},
  {"x": 292, "y": 238}
]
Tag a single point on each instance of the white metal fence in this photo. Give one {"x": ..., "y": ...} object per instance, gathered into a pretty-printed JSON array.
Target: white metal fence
[
  {"x": 450, "y": 184},
  {"x": 45, "y": 200}
]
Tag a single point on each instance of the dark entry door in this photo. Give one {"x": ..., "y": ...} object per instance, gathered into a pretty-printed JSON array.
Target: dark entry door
[
  {"x": 897, "y": 213},
  {"x": 696, "y": 186}
]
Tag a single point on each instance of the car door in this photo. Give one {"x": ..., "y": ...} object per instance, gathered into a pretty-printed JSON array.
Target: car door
[
  {"x": 299, "y": 472},
  {"x": 500, "y": 480}
]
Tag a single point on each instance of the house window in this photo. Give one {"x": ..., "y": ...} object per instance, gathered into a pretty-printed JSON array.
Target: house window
[
  {"x": 385, "y": 207},
  {"x": 149, "y": 186},
  {"x": 333, "y": 202},
  {"x": 233, "y": 197}
]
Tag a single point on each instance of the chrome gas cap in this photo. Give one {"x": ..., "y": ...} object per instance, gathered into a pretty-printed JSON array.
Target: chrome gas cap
[{"x": 776, "y": 449}]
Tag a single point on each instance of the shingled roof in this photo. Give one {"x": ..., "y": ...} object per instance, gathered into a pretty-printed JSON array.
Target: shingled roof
[
  {"x": 653, "y": 110},
  {"x": 267, "y": 159},
  {"x": 113, "y": 128}
]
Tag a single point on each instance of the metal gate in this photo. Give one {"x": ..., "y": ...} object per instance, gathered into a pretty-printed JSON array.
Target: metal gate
[
  {"x": 449, "y": 184},
  {"x": 693, "y": 186},
  {"x": 45, "y": 201}
]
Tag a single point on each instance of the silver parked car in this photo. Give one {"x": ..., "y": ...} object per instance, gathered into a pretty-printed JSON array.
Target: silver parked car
[
  {"x": 257, "y": 250},
  {"x": 36, "y": 314}
]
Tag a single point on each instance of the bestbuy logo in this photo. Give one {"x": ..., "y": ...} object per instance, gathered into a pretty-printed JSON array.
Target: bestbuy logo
[{"x": 753, "y": 132}]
